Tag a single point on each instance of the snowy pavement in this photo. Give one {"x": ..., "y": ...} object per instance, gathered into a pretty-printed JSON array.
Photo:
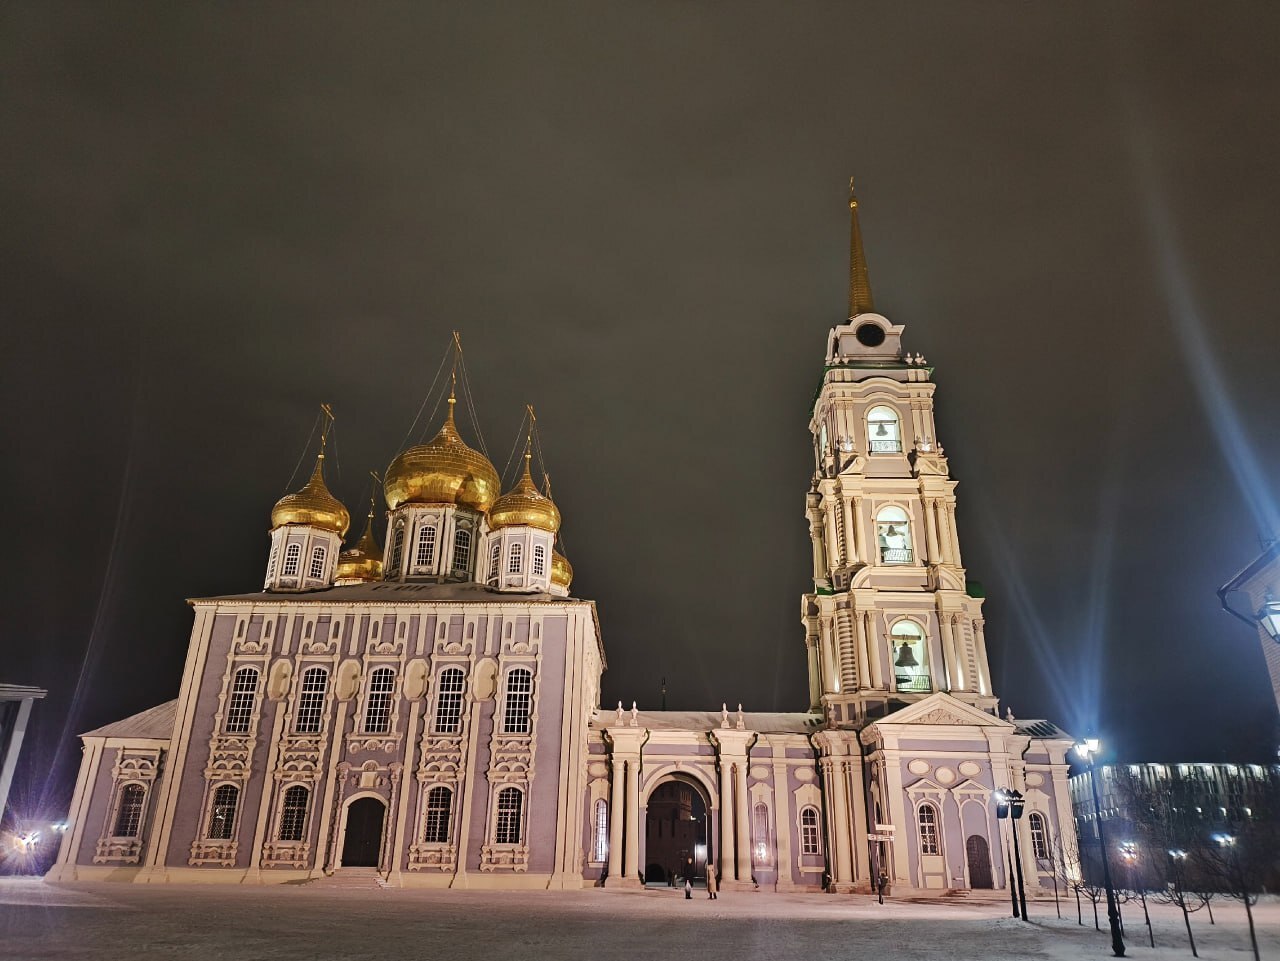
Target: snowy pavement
[{"x": 110, "y": 922}]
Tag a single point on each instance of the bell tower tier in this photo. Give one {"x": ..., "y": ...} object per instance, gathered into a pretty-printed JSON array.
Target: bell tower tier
[{"x": 891, "y": 618}]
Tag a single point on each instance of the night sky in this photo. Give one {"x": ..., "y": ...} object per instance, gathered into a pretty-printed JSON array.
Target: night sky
[{"x": 214, "y": 218}]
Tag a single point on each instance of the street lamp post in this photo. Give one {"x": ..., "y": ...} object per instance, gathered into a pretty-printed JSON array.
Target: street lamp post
[
  {"x": 1086, "y": 749},
  {"x": 1010, "y": 804},
  {"x": 1177, "y": 856}
]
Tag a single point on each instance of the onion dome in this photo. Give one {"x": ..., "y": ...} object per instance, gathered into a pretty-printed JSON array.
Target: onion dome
[
  {"x": 362, "y": 562},
  {"x": 525, "y": 506},
  {"x": 313, "y": 506},
  {"x": 561, "y": 570},
  {"x": 443, "y": 471}
]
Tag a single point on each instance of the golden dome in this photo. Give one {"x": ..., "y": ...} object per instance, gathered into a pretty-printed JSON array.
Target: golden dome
[
  {"x": 525, "y": 506},
  {"x": 313, "y": 506},
  {"x": 444, "y": 471},
  {"x": 362, "y": 562},
  {"x": 561, "y": 570}
]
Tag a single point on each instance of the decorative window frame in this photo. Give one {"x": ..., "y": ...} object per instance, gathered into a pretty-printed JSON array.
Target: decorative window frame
[
  {"x": 874, "y": 405},
  {"x": 134, "y": 765}
]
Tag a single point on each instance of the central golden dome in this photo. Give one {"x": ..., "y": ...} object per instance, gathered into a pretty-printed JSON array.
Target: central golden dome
[
  {"x": 313, "y": 506},
  {"x": 362, "y": 562},
  {"x": 524, "y": 505},
  {"x": 443, "y": 471}
]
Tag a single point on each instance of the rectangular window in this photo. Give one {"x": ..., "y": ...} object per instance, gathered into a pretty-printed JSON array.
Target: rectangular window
[
  {"x": 222, "y": 813},
  {"x": 439, "y": 801},
  {"x": 244, "y": 694},
  {"x": 515, "y": 716},
  {"x": 317, "y": 564},
  {"x": 539, "y": 561},
  {"x": 929, "y": 830},
  {"x": 462, "y": 551},
  {"x": 449, "y": 701},
  {"x": 495, "y": 554},
  {"x": 426, "y": 547},
  {"x": 293, "y": 813},
  {"x": 292, "y": 560},
  {"x": 515, "y": 560},
  {"x": 602, "y": 830},
  {"x": 377, "y": 711},
  {"x": 315, "y": 684},
  {"x": 809, "y": 843},
  {"x": 507, "y": 830},
  {"x": 129, "y": 816}
]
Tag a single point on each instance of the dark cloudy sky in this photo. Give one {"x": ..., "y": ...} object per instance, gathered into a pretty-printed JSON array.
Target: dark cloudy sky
[{"x": 212, "y": 218}]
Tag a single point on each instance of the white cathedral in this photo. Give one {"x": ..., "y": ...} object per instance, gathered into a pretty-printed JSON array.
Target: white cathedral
[{"x": 429, "y": 710}]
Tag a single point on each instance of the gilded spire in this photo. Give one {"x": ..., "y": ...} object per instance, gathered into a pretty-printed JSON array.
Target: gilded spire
[
  {"x": 860, "y": 301},
  {"x": 314, "y": 506}
]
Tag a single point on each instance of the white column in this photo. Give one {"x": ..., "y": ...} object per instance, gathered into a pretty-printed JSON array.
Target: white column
[
  {"x": 949, "y": 651},
  {"x": 743, "y": 816},
  {"x": 931, "y": 531},
  {"x": 726, "y": 819},
  {"x": 864, "y": 652},
  {"x": 853, "y": 528},
  {"x": 842, "y": 862},
  {"x": 616, "y": 808},
  {"x": 954, "y": 535},
  {"x": 633, "y": 818},
  {"x": 980, "y": 642}
]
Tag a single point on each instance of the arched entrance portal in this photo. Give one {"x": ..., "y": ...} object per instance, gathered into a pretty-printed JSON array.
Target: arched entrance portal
[
  {"x": 677, "y": 826},
  {"x": 362, "y": 841},
  {"x": 979, "y": 858}
]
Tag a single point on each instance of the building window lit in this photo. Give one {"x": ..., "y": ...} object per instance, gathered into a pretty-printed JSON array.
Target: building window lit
[
  {"x": 315, "y": 685},
  {"x": 449, "y": 701},
  {"x": 129, "y": 814},
  {"x": 927, "y": 817},
  {"x": 602, "y": 830},
  {"x": 884, "y": 432},
  {"x": 760, "y": 824},
  {"x": 519, "y": 701},
  {"x": 439, "y": 805},
  {"x": 377, "y": 711},
  {"x": 222, "y": 813},
  {"x": 293, "y": 813},
  {"x": 507, "y": 829},
  {"x": 244, "y": 694},
  {"x": 893, "y": 533},
  {"x": 910, "y": 658},
  {"x": 809, "y": 838}
]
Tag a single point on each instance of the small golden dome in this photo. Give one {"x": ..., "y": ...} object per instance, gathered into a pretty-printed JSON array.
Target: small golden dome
[
  {"x": 561, "y": 570},
  {"x": 525, "y": 506},
  {"x": 443, "y": 471},
  {"x": 312, "y": 506},
  {"x": 362, "y": 562}
]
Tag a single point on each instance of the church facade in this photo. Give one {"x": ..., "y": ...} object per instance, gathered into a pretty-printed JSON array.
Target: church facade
[{"x": 429, "y": 709}]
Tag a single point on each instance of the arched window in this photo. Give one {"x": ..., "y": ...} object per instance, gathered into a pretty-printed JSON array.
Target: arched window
[
  {"x": 893, "y": 531},
  {"x": 426, "y": 547},
  {"x": 539, "y": 560},
  {"x": 315, "y": 685},
  {"x": 810, "y": 842},
  {"x": 515, "y": 713},
  {"x": 439, "y": 803},
  {"x": 292, "y": 560},
  {"x": 495, "y": 556},
  {"x": 515, "y": 560},
  {"x": 244, "y": 694},
  {"x": 1039, "y": 836},
  {"x": 271, "y": 561},
  {"x": 377, "y": 710},
  {"x": 449, "y": 701},
  {"x": 293, "y": 813},
  {"x": 927, "y": 817},
  {"x": 760, "y": 825},
  {"x": 507, "y": 828},
  {"x": 910, "y": 656},
  {"x": 316, "y": 572},
  {"x": 397, "y": 550},
  {"x": 884, "y": 432},
  {"x": 462, "y": 551},
  {"x": 222, "y": 813},
  {"x": 601, "y": 845},
  {"x": 129, "y": 813}
]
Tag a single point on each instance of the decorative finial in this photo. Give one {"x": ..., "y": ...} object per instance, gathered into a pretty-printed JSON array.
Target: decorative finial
[
  {"x": 860, "y": 300},
  {"x": 619, "y": 713},
  {"x": 724, "y": 717},
  {"x": 635, "y": 715},
  {"x": 1008, "y": 714},
  {"x": 742, "y": 719}
]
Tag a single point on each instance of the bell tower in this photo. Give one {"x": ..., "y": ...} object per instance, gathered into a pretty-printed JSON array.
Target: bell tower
[{"x": 891, "y": 618}]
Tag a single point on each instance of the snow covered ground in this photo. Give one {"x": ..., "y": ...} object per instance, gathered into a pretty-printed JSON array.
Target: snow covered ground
[{"x": 111, "y": 922}]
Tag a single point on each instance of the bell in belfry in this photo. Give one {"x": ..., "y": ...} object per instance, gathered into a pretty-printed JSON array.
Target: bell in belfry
[{"x": 905, "y": 657}]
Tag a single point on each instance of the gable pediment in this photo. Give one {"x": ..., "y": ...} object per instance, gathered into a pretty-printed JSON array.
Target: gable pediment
[{"x": 939, "y": 709}]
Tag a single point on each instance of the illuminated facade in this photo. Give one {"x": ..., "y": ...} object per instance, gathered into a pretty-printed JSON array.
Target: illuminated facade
[{"x": 430, "y": 709}]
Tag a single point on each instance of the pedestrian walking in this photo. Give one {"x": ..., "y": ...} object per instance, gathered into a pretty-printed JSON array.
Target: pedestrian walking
[{"x": 713, "y": 887}]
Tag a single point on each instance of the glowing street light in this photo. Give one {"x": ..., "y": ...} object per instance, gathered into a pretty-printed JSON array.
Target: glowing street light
[
  {"x": 1009, "y": 804},
  {"x": 1087, "y": 750}
]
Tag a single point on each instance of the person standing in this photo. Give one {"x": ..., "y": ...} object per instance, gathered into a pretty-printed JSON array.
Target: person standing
[{"x": 713, "y": 887}]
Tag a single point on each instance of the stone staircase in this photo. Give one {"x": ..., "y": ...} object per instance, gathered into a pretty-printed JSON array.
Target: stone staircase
[{"x": 350, "y": 879}]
